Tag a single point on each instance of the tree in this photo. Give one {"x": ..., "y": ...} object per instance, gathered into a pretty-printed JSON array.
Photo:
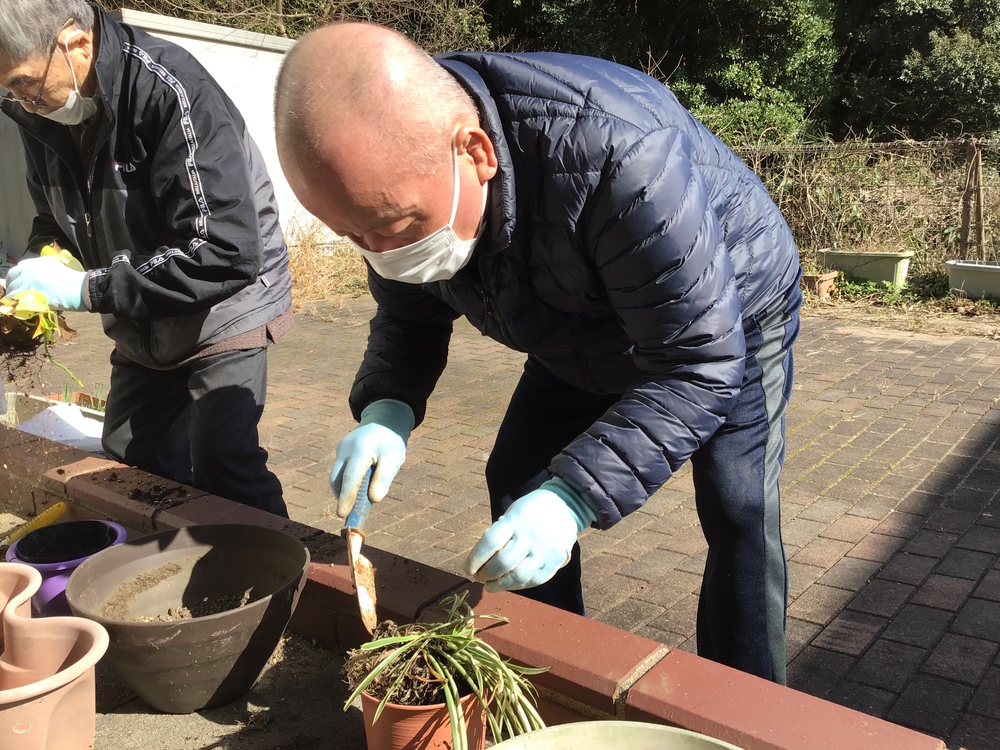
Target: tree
[
  {"x": 751, "y": 69},
  {"x": 754, "y": 69},
  {"x": 953, "y": 88},
  {"x": 923, "y": 67},
  {"x": 746, "y": 65}
]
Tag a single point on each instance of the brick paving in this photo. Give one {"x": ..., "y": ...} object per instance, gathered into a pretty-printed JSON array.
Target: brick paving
[{"x": 891, "y": 513}]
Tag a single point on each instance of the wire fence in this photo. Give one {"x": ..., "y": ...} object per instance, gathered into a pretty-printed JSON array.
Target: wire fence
[{"x": 890, "y": 197}]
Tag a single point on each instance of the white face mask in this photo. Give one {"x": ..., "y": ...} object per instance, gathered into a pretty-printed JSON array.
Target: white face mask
[
  {"x": 437, "y": 257},
  {"x": 77, "y": 107}
]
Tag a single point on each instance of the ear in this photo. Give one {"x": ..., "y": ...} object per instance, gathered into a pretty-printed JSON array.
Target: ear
[
  {"x": 75, "y": 39},
  {"x": 474, "y": 141}
]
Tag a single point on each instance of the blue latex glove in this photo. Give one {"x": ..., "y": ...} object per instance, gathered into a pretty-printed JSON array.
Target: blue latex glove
[
  {"x": 379, "y": 441},
  {"x": 61, "y": 285},
  {"x": 532, "y": 540}
]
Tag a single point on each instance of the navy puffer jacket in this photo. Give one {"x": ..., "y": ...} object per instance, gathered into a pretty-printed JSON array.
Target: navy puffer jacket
[{"x": 624, "y": 248}]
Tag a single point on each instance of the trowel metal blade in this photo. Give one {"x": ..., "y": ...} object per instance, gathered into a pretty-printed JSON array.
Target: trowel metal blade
[
  {"x": 362, "y": 573},
  {"x": 363, "y": 577}
]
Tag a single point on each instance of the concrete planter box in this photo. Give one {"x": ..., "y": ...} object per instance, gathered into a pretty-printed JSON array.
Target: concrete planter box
[
  {"x": 974, "y": 279},
  {"x": 874, "y": 266}
]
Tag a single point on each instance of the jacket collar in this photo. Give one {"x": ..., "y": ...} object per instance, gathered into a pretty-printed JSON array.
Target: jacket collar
[
  {"x": 112, "y": 36},
  {"x": 502, "y": 207}
]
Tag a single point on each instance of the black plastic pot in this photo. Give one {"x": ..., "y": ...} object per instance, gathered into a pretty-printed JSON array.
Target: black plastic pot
[
  {"x": 184, "y": 665},
  {"x": 56, "y": 551}
]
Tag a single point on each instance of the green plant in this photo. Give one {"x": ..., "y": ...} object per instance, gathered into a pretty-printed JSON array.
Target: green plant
[
  {"x": 93, "y": 401},
  {"x": 30, "y": 309},
  {"x": 927, "y": 289},
  {"x": 427, "y": 663},
  {"x": 926, "y": 284},
  {"x": 875, "y": 292}
]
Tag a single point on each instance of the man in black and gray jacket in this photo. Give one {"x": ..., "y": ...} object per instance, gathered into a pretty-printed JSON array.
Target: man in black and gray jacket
[{"x": 143, "y": 169}]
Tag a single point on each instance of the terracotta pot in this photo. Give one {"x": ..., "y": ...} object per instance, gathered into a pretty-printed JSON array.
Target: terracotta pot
[
  {"x": 239, "y": 584},
  {"x": 820, "y": 284},
  {"x": 47, "y": 686},
  {"x": 83, "y": 400},
  {"x": 421, "y": 727}
]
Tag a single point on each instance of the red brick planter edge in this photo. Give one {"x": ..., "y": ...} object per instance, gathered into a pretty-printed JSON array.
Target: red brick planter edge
[{"x": 595, "y": 670}]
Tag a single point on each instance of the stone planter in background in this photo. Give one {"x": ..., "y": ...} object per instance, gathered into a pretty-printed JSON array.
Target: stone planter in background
[
  {"x": 871, "y": 266},
  {"x": 973, "y": 278}
]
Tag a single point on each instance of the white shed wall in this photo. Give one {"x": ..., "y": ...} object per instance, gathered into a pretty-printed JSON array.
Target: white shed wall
[
  {"x": 16, "y": 208},
  {"x": 245, "y": 65}
]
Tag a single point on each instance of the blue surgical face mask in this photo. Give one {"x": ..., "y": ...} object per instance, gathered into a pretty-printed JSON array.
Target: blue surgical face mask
[
  {"x": 436, "y": 257},
  {"x": 77, "y": 108}
]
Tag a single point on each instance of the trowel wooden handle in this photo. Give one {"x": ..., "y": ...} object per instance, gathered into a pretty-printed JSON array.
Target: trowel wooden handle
[{"x": 362, "y": 505}]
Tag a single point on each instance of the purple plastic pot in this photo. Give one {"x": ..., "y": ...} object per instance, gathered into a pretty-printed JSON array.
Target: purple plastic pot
[{"x": 55, "y": 551}]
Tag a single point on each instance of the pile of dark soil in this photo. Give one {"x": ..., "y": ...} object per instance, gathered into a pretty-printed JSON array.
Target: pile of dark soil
[
  {"x": 18, "y": 350},
  {"x": 419, "y": 685}
]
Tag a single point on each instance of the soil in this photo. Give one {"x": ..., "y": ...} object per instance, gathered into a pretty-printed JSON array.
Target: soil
[
  {"x": 151, "y": 491},
  {"x": 20, "y": 354},
  {"x": 119, "y": 604},
  {"x": 208, "y": 606},
  {"x": 418, "y": 688},
  {"x": 158, "y": 493},
  {"x": 955, "y": 319},
  {"x": 19, "y": 361}
]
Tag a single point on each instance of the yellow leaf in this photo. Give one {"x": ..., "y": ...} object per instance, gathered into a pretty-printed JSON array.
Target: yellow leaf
[
  {"x": 31, "y": 297},
  {"x": 31, "y": 306},
  {"x": 64, "y": 255}
]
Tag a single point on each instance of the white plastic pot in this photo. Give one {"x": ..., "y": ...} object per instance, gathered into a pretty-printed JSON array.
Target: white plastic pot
[{"x": 613, "y": 735}]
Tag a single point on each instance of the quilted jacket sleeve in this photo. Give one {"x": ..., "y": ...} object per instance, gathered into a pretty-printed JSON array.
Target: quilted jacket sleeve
[
  {"x": 407, "y": 347},
  {"x": 200, "y": 176},
  {"x": 658, "y": 246}
]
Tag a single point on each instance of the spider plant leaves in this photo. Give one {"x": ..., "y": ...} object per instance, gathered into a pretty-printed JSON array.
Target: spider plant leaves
[{"x": 451, "y": 656}]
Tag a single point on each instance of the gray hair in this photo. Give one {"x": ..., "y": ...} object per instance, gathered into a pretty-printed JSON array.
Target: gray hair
[{"x": 29, "y": 27}]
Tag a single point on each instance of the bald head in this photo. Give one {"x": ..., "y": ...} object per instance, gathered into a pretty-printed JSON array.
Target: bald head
[
  {"x": 362, "y": 86},
  {"x": 376, "y": 139}
]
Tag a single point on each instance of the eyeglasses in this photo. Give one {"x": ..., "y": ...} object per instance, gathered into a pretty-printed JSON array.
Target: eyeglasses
[{"x": 37, "y": 99}]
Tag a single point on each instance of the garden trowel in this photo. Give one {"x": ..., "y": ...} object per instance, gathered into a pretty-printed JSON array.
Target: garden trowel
[{"x": 362, "y": 572}]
